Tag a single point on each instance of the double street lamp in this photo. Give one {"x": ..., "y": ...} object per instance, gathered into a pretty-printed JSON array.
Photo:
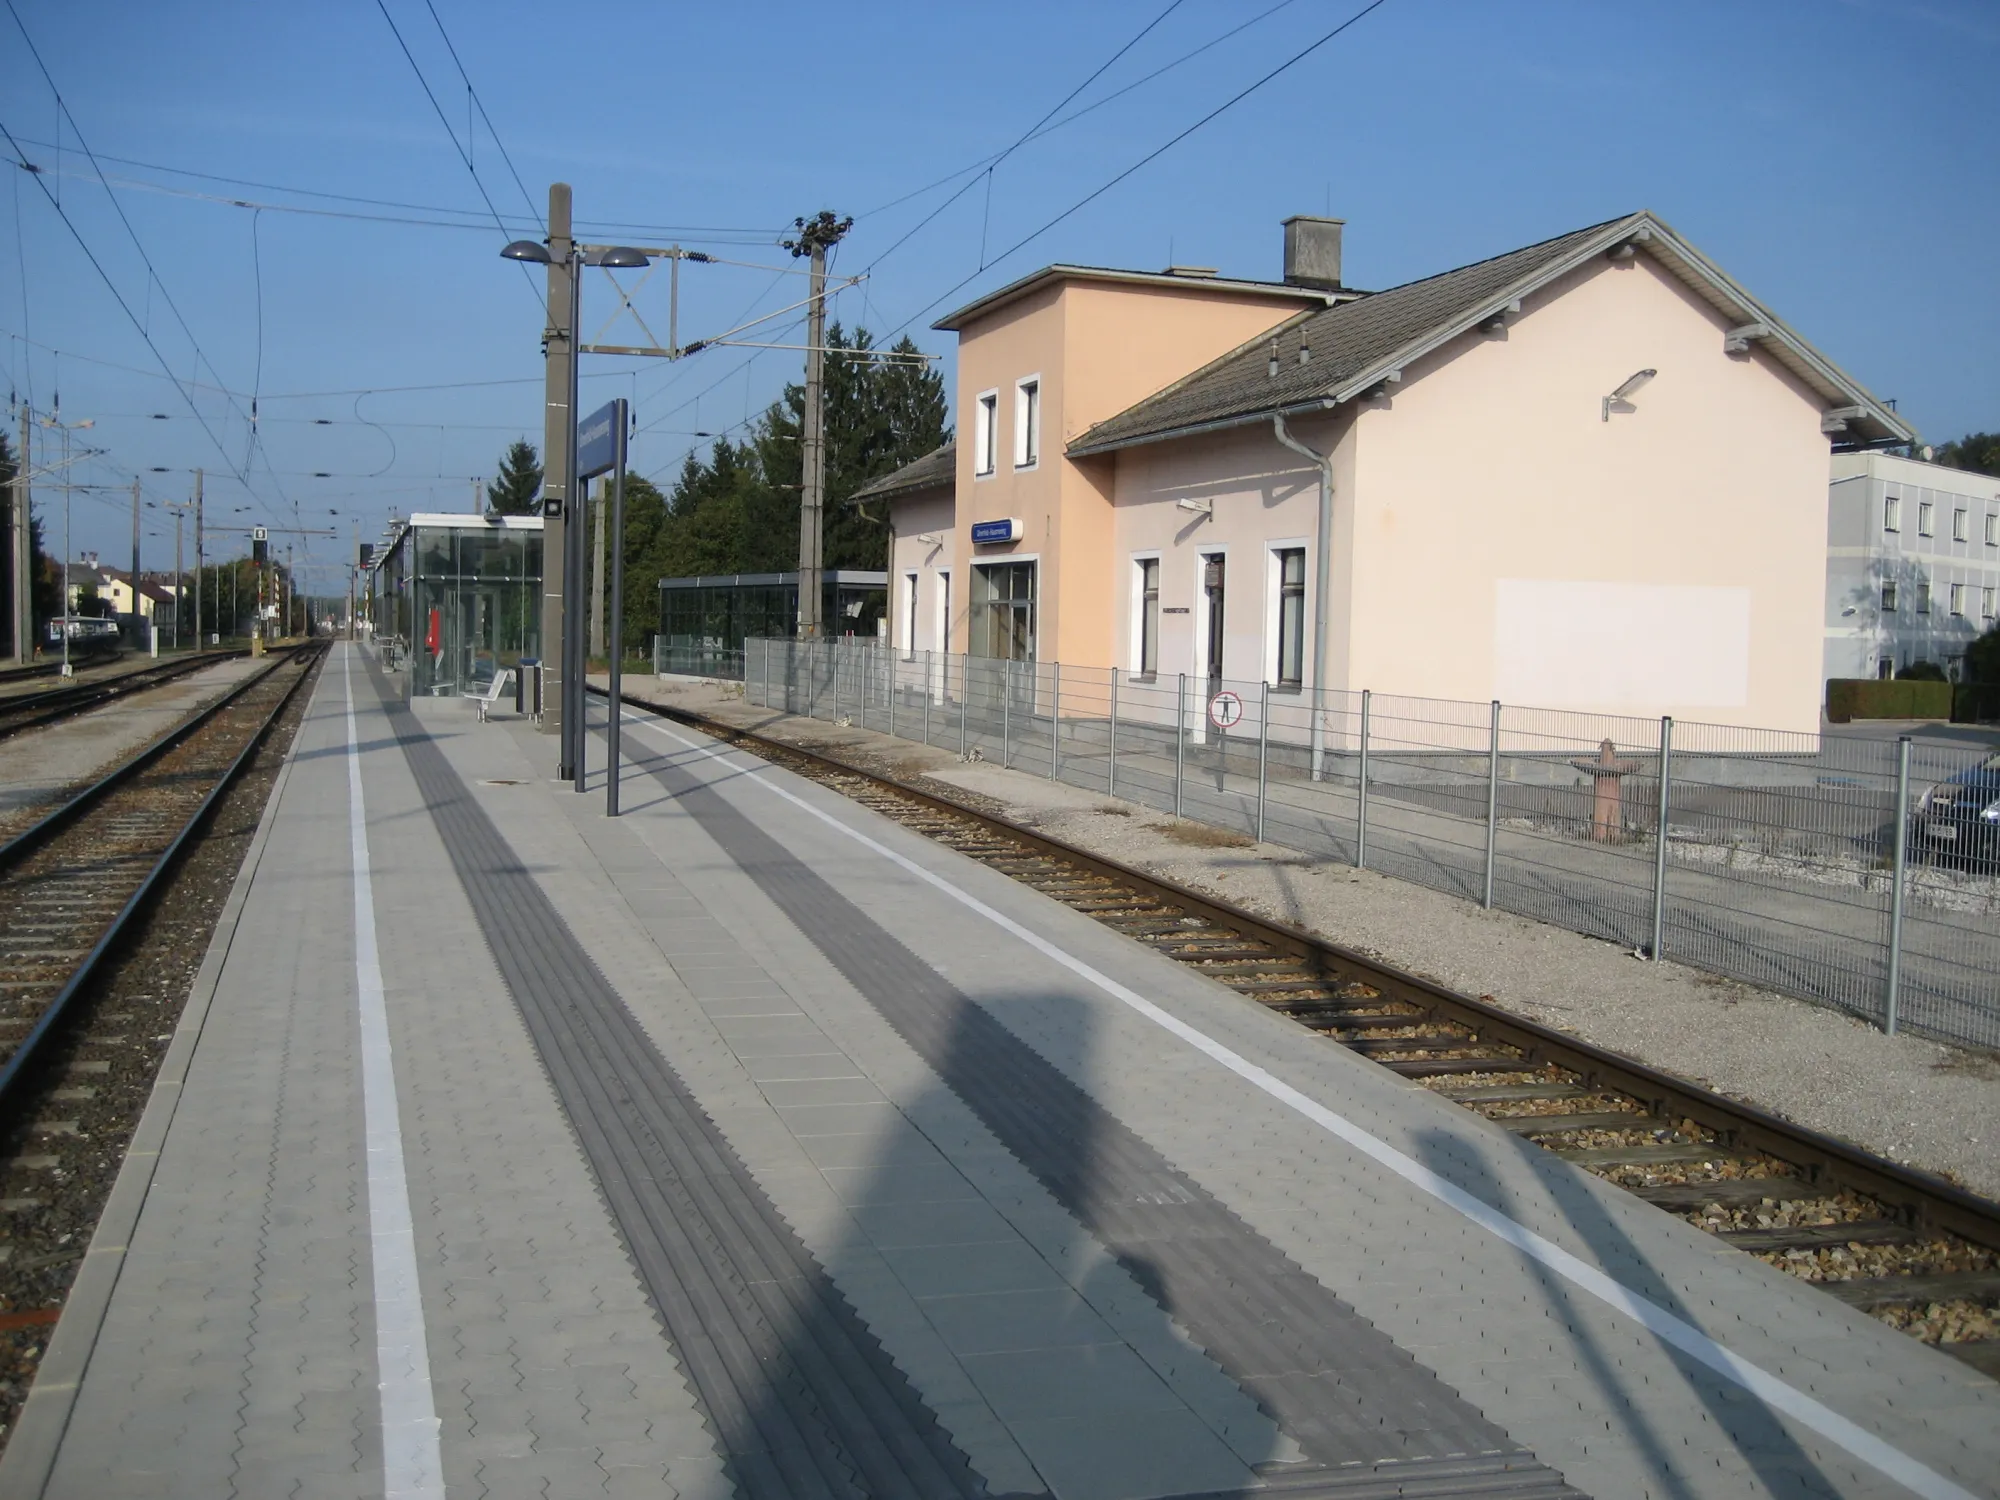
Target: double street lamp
[{"x": 562, "y": 625}]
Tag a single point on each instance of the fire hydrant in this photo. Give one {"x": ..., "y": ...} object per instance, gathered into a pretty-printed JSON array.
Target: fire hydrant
[{"x": 1607, "y": 803}]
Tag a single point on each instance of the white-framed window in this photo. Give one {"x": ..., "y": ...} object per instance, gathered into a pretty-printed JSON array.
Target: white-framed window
[
  {"x": 906, "y": 627},
  {"x": 1993, "y": 528},
  {"x": 1889, "y": 597},
  {"x": 1146, "y": 615},
  {"x": 1986, "y": 604},
  {"x": 1892, "y": 513},
  {"x": 1289, "y": 620},
  {"x": 1961, "y": 521},
  {"x": 1923, "y": 598},
  {"x": 1958, "y": 599},
  {"x": 986, "y": 433},
  {"x": 1925, "y": 512},
  {"x": 1028, "y": 422},
  {"x": 944, "y": 610}
]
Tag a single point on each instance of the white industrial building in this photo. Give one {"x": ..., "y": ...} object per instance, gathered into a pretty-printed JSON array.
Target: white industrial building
[{"x": 1912, "y": 563}]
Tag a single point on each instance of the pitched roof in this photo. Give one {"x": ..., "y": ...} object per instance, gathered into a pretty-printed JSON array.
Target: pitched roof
[
  {"x": 934, "y": 470},
  {"x": 1179, "y": 280},
  {"x": 1355, "y": 345}
]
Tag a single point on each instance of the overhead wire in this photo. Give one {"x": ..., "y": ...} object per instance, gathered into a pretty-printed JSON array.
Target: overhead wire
[
  {"x": 473, "y": 93},
  {"x": 1095, "y": 193}
]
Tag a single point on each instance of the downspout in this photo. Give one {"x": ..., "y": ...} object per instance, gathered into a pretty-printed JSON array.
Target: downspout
[{"x": 1322, "y": 583}]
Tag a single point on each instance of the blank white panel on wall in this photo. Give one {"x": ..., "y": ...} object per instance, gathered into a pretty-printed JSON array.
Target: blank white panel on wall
[{"x": 1642, "y": 647}]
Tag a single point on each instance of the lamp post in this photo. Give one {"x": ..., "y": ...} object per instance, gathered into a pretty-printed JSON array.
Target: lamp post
[{"x": 562, "y": 556}]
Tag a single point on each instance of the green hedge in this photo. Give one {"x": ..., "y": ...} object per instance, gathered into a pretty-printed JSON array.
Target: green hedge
[{"x": 1849, "y": 698}]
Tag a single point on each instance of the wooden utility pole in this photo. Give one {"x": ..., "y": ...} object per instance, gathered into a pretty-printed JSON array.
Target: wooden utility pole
[
  {"x": 197, "y": 560},
  {"x": 24, "y": 581},
  {"x": 816, "y": 236}
]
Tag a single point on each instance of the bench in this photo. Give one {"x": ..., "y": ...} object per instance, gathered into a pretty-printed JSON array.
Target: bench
[{"x": 498, "y": 686}]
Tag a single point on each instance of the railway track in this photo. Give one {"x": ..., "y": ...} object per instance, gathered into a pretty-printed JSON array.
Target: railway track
[
  {"x": 72, "y": 883},
  {"x": 32, "y": 710},
  {"x": 1914, "y": 1250}
]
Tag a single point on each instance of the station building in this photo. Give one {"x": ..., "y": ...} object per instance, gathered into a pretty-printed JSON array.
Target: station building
[
  {"x": 1586, "y": 474},
  {"x": 1912, "y": 564}
]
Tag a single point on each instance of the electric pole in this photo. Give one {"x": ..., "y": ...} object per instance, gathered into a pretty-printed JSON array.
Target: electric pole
[
  {"x": 197, "y": 559},
  {"x": 135, "y": 562},
  {"x": 24, "y": 583},
  {"x": 815, "y": 237},
  {"x": 559, "y": 424}
]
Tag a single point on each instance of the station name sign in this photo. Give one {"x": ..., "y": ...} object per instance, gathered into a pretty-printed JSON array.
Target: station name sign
[{"x": 986, "y": 533}]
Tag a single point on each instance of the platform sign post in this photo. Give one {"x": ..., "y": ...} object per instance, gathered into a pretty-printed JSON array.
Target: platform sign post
[
  {"x": 600, "y": 449},
  {"x": 1492, "y": 803},
  {"x": 1361, "y": 808},
  {"x": 1660, "y": 841},
  {"x": 1263, "y": 754}
]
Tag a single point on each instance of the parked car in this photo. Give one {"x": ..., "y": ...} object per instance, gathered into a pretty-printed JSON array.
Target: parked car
[{"x": 1958, "y": 820}]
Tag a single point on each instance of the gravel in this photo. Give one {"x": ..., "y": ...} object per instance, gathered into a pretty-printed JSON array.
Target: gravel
[{"x": 1922, "y": 1103}]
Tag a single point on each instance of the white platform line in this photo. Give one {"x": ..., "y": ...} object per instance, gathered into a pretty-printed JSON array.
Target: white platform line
[
  {"x": 1885, "y": 1458},
  {"x": 411, "y": 1466}
]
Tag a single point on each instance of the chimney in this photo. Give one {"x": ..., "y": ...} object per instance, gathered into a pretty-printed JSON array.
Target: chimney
[{"x": 1312, "y": 252}]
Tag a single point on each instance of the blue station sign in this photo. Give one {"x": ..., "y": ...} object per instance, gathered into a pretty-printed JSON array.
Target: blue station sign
[
  {"x": 600, "y": 440},
  {"x": 985, "y": 533}
]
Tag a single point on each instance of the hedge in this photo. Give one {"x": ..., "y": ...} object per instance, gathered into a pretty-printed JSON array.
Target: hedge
[{"x": 1849, "y": 698}]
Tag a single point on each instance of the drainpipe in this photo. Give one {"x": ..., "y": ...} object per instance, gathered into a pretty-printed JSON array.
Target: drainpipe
[{"x": 1322, "y": 583}]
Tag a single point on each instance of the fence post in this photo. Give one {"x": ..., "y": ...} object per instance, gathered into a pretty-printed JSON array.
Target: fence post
[
  {"x": 1055, "y": 721},
  {"x": 930, "y": 666},
  {"x": 1006, "y": 707},
  {"x": 1180, "y": 737},
  {"x": 890, "y": 685},
  {"x": 1111, "y": 742},
  {"x": 1492, "y": 803},
  {"x": 1660, "y": 841},
  {"x": 1361, "y": 808},
  {"x": 964, "y": 694},
  {"x": 1895, "y": 985},
  {"x": 863, "y": 679},
  {"x": 832, "y": 654},
  {"x": 1263, "y": 754}
]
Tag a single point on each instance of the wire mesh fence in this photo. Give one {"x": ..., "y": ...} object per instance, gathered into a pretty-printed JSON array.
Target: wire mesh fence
[{"x": 1840, "y": 868}]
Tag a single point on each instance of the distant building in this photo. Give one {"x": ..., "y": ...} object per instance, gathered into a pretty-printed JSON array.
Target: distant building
[
  {"x": 1585, "y": 474},
  {"x": 1912, "y": 564}
]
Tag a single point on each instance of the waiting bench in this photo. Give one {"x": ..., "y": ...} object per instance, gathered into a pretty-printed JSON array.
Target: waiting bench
[{"x": 494, "y": 689}]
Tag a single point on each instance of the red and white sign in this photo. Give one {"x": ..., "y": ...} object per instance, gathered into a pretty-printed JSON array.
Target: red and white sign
[{"x": 1225, "y": 710}]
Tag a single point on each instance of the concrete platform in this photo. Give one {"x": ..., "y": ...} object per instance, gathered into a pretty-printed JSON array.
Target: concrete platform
[{"x": 751, "y": 1145}]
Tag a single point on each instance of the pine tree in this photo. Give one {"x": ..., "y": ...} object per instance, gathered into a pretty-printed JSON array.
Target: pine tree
[{"x": 517, "y": 483}]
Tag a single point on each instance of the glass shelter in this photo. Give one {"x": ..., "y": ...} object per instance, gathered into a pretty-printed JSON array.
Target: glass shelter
[
  {"x": 455, "y": 599},
  {"x": 704, "y": 621}
]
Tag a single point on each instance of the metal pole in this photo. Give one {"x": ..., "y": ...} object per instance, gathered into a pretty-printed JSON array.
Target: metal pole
[
  {"x": 1895, "y": 985},
  {"x": 24, "y": 582},
  {"x": 1111, "y": 742},
  {"x": 617, "y": 641},
  {"x": 1361, "y": 809},
  {"x": 1055, "y": 722},
  {"x": 1180, "y": 738},
  {"x": 833, "y": 670},
  {"x": 575, "y": 571},
  {"x": 180, "y": 580},
  {"x": 964, "y": 694},
  {"x": 1660, "y": 841},
  {"x": 1492, "y": 804},
  {"x": 1006, "y": 707},
  {"x": 197, "y": 559},
  {"x": 135, "y": 562},
  {"x": 1263, "y": 755},
  {"x": 812, "y": 440},
  {"x": 930, "y": 666},
  {"x": 889, "y": 680}
]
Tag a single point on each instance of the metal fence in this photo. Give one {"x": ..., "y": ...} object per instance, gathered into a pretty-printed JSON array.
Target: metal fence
[{"x": 1785, "y": 860}]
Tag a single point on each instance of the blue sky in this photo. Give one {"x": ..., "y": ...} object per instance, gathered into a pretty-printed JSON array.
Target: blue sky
[{"x": 1837, "y": 156}]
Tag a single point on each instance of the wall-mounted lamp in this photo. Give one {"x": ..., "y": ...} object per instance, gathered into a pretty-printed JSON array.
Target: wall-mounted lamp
[
  {"x": 1632, "y": 383},
  {"x": 1199, "y": 507},
  {"x": 931, "y": 538}
]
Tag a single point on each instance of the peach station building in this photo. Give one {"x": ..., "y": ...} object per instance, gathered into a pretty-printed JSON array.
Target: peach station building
[{"x": 1586, "y": 474}]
